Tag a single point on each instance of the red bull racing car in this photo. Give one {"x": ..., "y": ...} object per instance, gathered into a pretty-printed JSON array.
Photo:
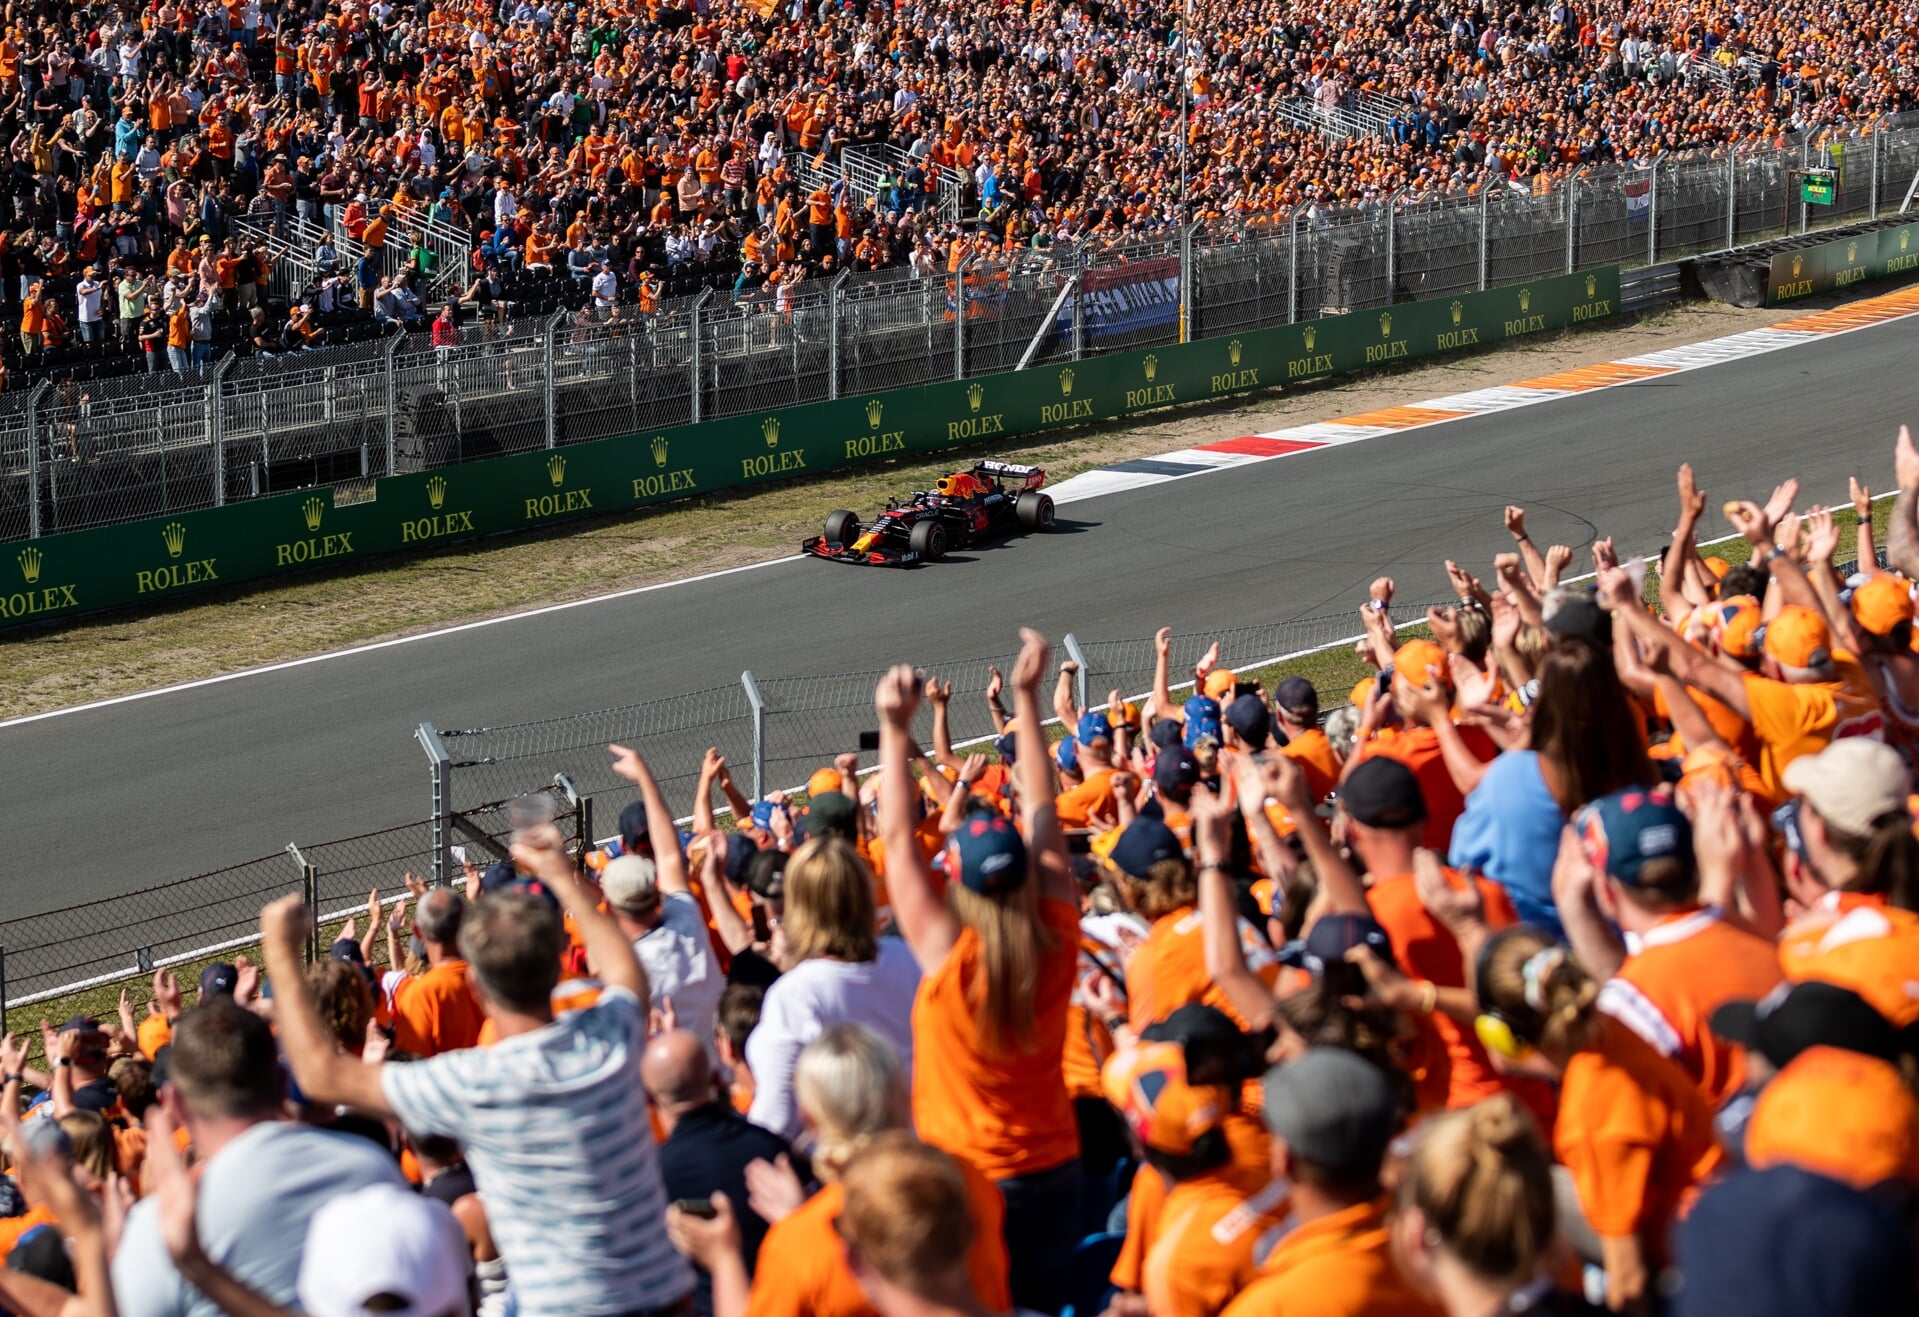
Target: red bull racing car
[{"x": 987, "y": 499}]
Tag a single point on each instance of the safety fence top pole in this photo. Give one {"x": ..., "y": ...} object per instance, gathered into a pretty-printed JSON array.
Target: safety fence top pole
[
  {"x": 1652, "y": 217},
  {"x": 309, "y": 893},
  {"x": 1572, "y": 224},
  {"x": 959, "y": 320},
  {"x": 697, "y": 355},
  {"x": 1075, "y": 653},
  {"x": 758, "y": 706},
  {"x": 833, "y": 292},
  {"x": 1732, "y": 205},
  {"x": 1485, "y": 229},
  {"x": 440, "y": 769},
  {"x": 392, "y": 400}
]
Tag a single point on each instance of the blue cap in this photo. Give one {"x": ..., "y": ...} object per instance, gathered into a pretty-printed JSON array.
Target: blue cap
[
  {"x": 992, "y": 855},
  {"x": 739, "y": 849},
  {"x": 1248, "y": 717},
  {"x": 762, "y": 814},
  {"x": 1145, "y": 842},
  {"x": 1202, "y": 720},
  {"x": 1005, "y": 746},
  {"x": 1621, "y": 832},
  {"x": 1066, "y": 755},
  {"x": 1164, "y": 732},
  {"x": 1331, "y": 937},
  {"x": 633, "y": 824},
  {"x": 1176, "y": 773},
  {"x": 1094, "y": 726}
]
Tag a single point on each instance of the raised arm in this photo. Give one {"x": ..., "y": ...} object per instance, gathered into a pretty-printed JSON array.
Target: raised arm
[
  {"x": 703, "y": 793},
  {"x": 1275, "y": 861},
  {"x": 919, "y": 904},
  {"x": 1862, "y": 533},
  {"x": 1164, "y": 706},
  {"x": 734, "y": 933},
  {"x": 1681, "y": 555},
  {"x": 1286, "y": 783},
  {"x": 669, "y": 862},
  {"x": 1219, "y": 914},
  {"x": 1528, "y": 551},
  {"x": 1052, "y": 868},
  {"x": 994, "y": 685},
  {"x": 541, "y": 852},
  {"x": 325, "y": 1074},
  {"x": 1065, "y": 708},
  {"x": 940, "y": 695},
  {"x": 1902, "y": 532}
]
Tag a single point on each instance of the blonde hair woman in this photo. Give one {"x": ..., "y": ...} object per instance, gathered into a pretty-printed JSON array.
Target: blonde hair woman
[
  {"x": 836, "y": 971},
  {"x": 851, "y": 1091}
]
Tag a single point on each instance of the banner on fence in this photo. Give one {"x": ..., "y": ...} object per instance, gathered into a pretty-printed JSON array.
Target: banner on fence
[
  {"x": 1122, "y": 299},
  {"x": 156, "y": 560},
  {"x": 1638, "y": 199},
  {"x": 1831, "y": 266}
]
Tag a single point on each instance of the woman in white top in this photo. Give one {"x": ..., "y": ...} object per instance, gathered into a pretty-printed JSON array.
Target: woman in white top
[{"x": 836, "y": 970}]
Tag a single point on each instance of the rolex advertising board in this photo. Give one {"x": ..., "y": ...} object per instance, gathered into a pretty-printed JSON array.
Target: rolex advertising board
[{"x": 161, "y": 558}]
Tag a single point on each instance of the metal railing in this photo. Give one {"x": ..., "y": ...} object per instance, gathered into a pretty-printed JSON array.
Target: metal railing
[{"x": 77, "y": 455}]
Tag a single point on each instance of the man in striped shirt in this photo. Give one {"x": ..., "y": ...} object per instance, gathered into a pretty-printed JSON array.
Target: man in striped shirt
[{"x": 552, "y": 1118}]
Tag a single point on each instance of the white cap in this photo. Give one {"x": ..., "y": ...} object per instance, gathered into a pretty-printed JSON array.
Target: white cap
[
  {"x": 630, "y": 884},
  {"x": 384, "y": 1239},
  {"x": 1852, "y": 783}
]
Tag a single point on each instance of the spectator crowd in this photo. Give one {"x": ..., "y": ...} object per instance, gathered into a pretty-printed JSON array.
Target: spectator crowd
[
  {"x": 1572, "y": 965},
  {"x": 619, "y": 154}
]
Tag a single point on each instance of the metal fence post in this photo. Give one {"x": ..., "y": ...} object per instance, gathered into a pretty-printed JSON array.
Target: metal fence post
[
  {"x": 1186, "y": 283},
  {"x": 1292, "y": 266},
  {"x": 698, "y": 355},
  {"x": 1652, "y": 217},
  {"x": 1872, "y": 203},
  {"x": 1078, "y": 655},
  {"x": 546, "y": 377},
  {"x": 309, "y": 893},
  {"x": 1392, "y": 240},
  {"x": 1732, "y": 198},
  {"x": 33, "y": 458},
  {"x": 1805, "y": 160},
  {"x": 217, "y": 428},
  {"x": 1079, "y": 314},
  {"x": 833, "y": 333},
  {"x": 1572, "y": 224},
  {"x": 440, "y": 768},
  {"x": 392, "y": 404},
  {"x": 959, "y": 322},
  {"x": 758, "y": 706},
  {"x": 3, "y": 991},
  {"x": 1485, "y": 229}
]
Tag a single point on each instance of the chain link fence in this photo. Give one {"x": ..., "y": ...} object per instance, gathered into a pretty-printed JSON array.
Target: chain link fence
[{"x": 93, "y": 451}]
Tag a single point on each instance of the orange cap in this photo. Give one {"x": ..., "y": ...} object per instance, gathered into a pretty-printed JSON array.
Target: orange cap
[
  {"x": 1717, "y": 566},
  {"x": 1736, "y": 620},
  {"x": 1218, "y": 682},
  {"x": 1413, "y": 659},
  {"x": 1842, "y": 1114},
  {"x": 1363, "y": 692},
  {"x": 822, "y": 781},
  {"x": 1798, "y": 638},
  {"x": 1147, "y": 1086},
  {"x": 1881, "y": 604}
]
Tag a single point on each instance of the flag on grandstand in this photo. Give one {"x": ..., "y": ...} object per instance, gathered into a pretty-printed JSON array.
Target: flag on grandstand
[{"x": 1638, "y": 200}]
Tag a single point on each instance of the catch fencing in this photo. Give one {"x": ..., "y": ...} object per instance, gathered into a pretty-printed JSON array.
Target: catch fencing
[{"x": 76, "y": 455}]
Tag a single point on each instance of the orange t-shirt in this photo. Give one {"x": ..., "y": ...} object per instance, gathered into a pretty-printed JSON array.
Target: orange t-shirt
[
  {"x": 1008, "y": 1114},
  {"x": 1425, "y": 950},
  {"x": 1168, "y": 970},
  {"x": 1635, "y": 1134},
  {"x": 437, "y": 1011},
  {"x": 802, "y": 1264},
  {"x": 1249, "y": 1172},
  {"x": 11, "y": 1228},
  {"x": 1678, "y": 974},
  {"x": 1803, "y": 718},
  {"x": 1208, "y": 1231},
  {"x": 1418, "y": 749},
  {"x": 1314, "y": 753},
  {"x": 1337, "y": 1266},
  {"x": 1858, "y": 942},
  {"x": 1092, "y": 796}
]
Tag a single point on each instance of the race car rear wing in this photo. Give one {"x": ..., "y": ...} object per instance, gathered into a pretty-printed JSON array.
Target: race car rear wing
[{"x": 1031, "y": 476}]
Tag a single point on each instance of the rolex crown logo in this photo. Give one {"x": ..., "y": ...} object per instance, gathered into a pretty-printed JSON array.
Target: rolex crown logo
[
  {"x": 1592, "y": 286},
  {"x": 1311, "y": 334},
  {"x": 975, "y": 393},
  {"x": 1066, "y": 383},
  {"x": 175, "y": 536},
  {"x": 659, "y": 450},
  {"x": 1798, "y": 260},
  {"x": 1386, "y": 324},
  {"x": 30, "y": 564},
  {"x": 1852, "y": 252},
  {"x": 1233, "y": 350},
  {"x": 874, "y": 411},
  {"x": 556, "y": 470},
  {"x": 1152, "y": 366},
  {"x": 1905, "y": 236},
  {"x": 436, "y": 492},
  {"x": 1525, "y": 299},
  {"x": 313, "y": 509},
  {"x": 770, "y": 427},
  {"x": 1459, "y": 309}
]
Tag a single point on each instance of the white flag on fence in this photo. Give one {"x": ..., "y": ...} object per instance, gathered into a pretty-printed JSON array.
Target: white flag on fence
[{"x": 1638, "y": 199}]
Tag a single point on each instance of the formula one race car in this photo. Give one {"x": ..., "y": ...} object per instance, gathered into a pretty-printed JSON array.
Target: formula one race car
[{"x": 967, "y": 506}]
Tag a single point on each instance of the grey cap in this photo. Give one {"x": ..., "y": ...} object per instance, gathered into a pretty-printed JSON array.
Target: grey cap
[
  {"x": 1334, "y": 1110},
  {"x": 631, "y": 885}
]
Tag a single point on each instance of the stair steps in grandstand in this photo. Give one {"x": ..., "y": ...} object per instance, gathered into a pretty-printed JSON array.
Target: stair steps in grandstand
[
  {"x": 861, "y": 167},
  {"x": 293, "y": 267},
  {"x": 452, "y": 247},
  {"x": 1354, "y": 116}
]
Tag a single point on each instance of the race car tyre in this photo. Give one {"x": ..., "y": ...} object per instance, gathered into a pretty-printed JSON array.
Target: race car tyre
[
  {"x": 1035, "y": 510},
  {"x": 842, "y": 527},
  {"x": 928, "y": 540}
]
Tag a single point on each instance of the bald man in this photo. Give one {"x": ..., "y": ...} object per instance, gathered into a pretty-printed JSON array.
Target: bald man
[{"x": 708, "y": 1144}]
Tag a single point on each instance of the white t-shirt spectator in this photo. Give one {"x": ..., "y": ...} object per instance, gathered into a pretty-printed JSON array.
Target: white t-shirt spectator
[
  {"x": 606, "y": 288},
  {"x": 89, "y": 293},
  {"x": 555, "y": 1128},
  {"x": 816, "y": 993},
  {"x": 679, "y": 961},
  {"x": 257, "y": 1195}
]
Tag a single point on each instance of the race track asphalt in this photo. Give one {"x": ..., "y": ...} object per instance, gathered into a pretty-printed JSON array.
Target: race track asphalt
[{"x": 104, "y": 801}]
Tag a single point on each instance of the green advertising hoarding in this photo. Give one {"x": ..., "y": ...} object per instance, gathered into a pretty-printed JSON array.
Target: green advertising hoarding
[
  {"x": 159, "y": 559},
  {"x": 1839, "y": 264}
]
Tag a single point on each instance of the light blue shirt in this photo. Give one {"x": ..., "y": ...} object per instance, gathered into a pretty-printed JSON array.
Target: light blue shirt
[{"x": 1510, "y": 833}]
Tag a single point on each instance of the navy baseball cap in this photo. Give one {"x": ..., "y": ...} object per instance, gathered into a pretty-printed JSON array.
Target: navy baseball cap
[
  {"x": 1331, "y": 937},
  {"x": 1248, "y": 717},
  {"x": 1202, "y": 720},
  {"x": 1145, "y": 842},
  {"x": 1164, "y": 732},
  {"x": 739, "y": 849},
  {"x": 1296, "y": 695},
  {"x": 1176, "y": 772},
  {"x": 1094, "y": 726},
  {"x": 992, "y": 855},
  {"x": 218, "y": 979},
  {"x": 1624, "y": 830},
  {"x": 1383, "y": 793},
  {"x": 633, "y": 824},
  {"x": 1005, "y": 745}
]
